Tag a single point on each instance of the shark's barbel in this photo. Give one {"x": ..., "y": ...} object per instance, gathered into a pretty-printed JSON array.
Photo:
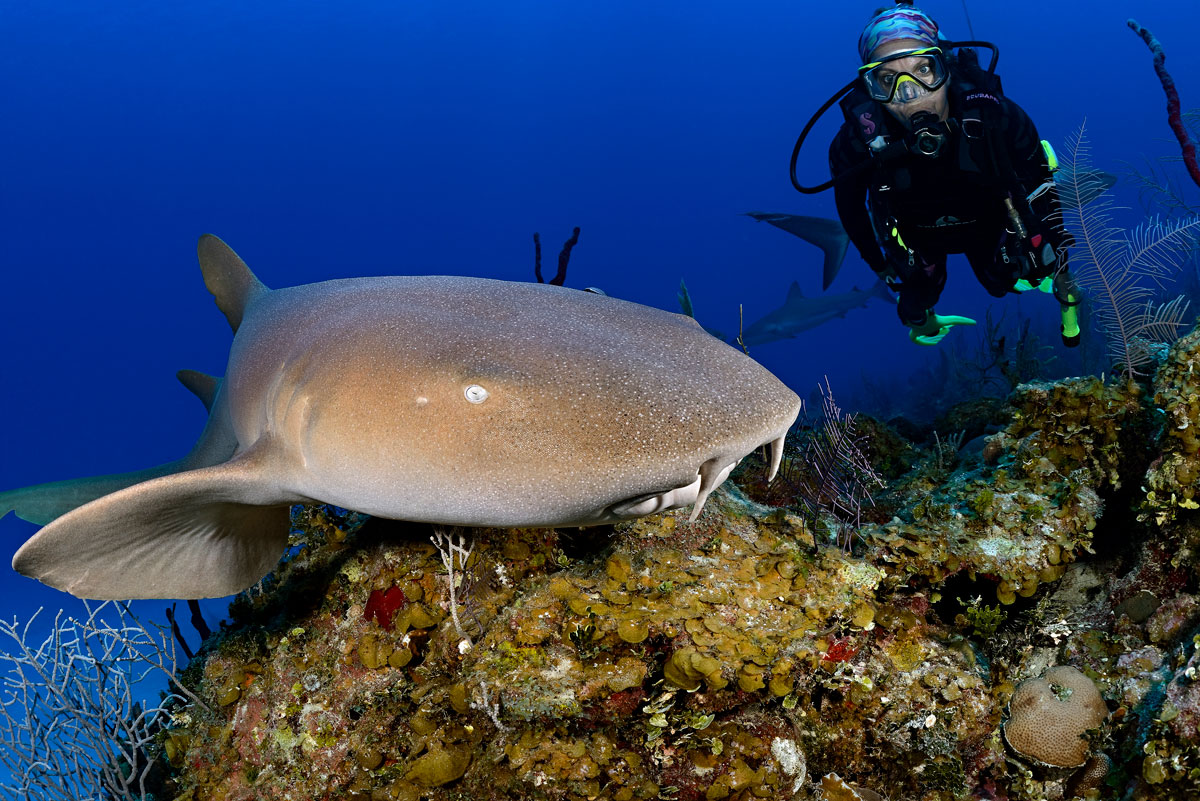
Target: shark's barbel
[{"x": 449, "y": 400}]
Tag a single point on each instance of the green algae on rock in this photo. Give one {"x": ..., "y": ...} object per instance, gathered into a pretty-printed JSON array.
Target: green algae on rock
[{"x": 739, "y": 656}]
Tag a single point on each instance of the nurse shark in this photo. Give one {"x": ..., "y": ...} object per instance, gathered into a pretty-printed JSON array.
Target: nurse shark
[{"x": 442, "y": 399}]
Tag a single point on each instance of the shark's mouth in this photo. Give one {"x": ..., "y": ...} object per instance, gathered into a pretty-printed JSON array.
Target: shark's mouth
[{"x": 710, "y": 476}]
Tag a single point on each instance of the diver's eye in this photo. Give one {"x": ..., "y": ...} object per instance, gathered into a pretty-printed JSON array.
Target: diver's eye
[
  {"x": 886, "y": 79},
  {"x": 924, "y": 69}
]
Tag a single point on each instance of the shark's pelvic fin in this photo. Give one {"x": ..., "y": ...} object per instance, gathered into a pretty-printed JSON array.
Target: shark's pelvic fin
[
  {"x": 826, "y": 234},
  {"x": 227, "y": 277},
  {"x": 42, "y": 503},
  {"x": 197, "y": 534}
]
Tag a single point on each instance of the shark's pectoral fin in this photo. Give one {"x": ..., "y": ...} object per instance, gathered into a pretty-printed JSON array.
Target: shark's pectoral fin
[{"x": 197, "y": 534}]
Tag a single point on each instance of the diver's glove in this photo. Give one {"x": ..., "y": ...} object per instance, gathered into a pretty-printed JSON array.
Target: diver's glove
[
  {"x": 934, "y": 327},
  {"x": 886, "y": 272}
]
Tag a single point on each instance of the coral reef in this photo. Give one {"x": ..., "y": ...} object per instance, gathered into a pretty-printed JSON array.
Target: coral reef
[
  {"x": 1049, "y": 716},
  {"x": 744, "y": 655}
]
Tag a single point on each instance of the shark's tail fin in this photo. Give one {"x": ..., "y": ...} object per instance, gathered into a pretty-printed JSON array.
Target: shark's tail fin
[
  {"x": 43, "y": 503},
  {"x": 196, "y": 534}
]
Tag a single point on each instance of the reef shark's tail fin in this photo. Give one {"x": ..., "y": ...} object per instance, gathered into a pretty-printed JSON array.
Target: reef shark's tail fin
[
  {"x": 232, "y": 284},
  {"x": 826, "y": 234},
  {"x": 197, "y": 534},
  {"x": 42, "y": 503}
]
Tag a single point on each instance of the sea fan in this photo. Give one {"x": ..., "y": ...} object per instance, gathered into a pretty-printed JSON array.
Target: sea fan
[
  {"x": 832, "y": 473},
  {"x": 1120, "y": 271}
]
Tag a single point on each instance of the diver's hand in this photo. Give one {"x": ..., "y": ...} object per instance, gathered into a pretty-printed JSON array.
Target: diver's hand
[
  {"x": 887, "y": 273},
  {"x": 935, "y": 327}
]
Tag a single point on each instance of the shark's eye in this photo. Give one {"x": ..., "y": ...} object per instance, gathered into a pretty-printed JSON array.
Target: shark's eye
[{"x": 475, "y": 393}]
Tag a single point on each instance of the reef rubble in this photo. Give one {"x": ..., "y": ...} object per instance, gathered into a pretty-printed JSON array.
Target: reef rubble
[{"x": 1043, "y": 587}]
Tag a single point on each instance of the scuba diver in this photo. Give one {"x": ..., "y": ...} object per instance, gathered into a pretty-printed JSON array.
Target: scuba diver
[{"x": 932, "y": 160}]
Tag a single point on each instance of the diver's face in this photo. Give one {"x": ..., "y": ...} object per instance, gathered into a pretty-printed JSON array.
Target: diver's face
[{"x": 911, "y": 97}]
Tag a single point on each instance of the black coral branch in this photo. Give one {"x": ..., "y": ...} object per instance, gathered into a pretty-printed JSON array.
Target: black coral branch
[{"x": 1122, "y": 271}]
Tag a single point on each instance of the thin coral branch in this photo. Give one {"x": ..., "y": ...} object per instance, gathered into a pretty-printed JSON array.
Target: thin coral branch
[
  {"x": 198, "y": 621},
  {"x": 832, "y": 474},
  {"x": 564, "y": 256},
  {"x": 484, "y": 703},
  {"x": 1113, "y": 265},
  {"x": 1174, "y": 109},
  {"x": 454, "y": 546},
  {"x": 70, "y": 727},
  {"x": 187, "y": 651},
  {"x": 537, "y": 258}
]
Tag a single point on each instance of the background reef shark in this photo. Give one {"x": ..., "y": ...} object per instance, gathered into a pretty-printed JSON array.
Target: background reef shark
[
  {"x": 799, "y": 313},
  {"x": 451, "y": 400}
]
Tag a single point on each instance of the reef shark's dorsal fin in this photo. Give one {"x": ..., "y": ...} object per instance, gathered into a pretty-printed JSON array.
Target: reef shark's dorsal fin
[
  {"x": 794, "y": 293},
  {"x": 228, "y": 278},
  {"x": 197, "y": 534},
  {"x": 202, "y": 385},
  {"x": 825, "y": 233}
]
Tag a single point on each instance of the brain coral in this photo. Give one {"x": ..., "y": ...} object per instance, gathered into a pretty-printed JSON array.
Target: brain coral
[{"x": 1050, "y": 714}]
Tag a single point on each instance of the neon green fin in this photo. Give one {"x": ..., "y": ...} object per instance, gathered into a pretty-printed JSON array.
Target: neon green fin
[
  {"x": 1051, "y": 156},
  {"x": 935, "y": 327}
]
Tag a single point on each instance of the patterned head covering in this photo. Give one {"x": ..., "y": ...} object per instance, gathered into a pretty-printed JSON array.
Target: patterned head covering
[{"x": 901, "y": 22}]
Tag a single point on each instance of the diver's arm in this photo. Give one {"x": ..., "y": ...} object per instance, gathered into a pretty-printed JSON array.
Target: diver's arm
[
  {"x": 1029, "y": 159},
  {"x": 1032, "y": 169},
  {"x": 850, "y": 194},
  {"x": 1024, "y": 145}
]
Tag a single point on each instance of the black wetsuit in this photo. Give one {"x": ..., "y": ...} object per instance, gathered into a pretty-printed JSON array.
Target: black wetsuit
[{"x": 953, "y": 203}]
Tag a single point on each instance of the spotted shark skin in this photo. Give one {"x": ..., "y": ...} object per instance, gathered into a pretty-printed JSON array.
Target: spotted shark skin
[{"x": 442, "y": 399}]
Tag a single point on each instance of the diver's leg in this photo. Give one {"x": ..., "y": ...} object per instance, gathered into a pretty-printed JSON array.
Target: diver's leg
[
  {"x": 921, "y": 285},
  {"x": 992, "y": 272}
]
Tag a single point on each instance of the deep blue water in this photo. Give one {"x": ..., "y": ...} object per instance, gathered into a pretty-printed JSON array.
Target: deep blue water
[{"x": 325, "y": 140}]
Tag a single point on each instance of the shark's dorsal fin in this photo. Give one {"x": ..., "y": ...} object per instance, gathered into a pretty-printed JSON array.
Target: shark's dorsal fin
[
  {"x": 794, "y": 292},
  {"x": 228, "y": 278},
  {"x": 826, "y": 234},
  {"x": 202, "y": 385}
]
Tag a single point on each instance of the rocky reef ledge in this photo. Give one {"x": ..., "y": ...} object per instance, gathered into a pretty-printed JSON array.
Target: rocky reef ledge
[{"x": 1017, "y": 619}]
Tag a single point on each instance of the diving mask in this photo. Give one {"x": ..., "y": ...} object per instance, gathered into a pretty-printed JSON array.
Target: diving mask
[{"x": 905, "y": 75}]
